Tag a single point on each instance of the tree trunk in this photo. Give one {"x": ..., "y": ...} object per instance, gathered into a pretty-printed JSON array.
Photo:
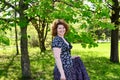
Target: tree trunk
[
  {"x": 114, "y": 46},
  {"x": 42, "y": 45},
  {"x": 40, "y": 32},
  {"x": 16, "y": 37},
  {"x": 25, "y": 62},
  {"x": 114, "y": 57},
  {"x": 43, "y": 36}
]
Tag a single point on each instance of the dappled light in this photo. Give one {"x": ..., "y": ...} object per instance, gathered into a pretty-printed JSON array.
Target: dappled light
[
  {"x": 96, "y": 62},
  {"x": 26, "y": 39}
]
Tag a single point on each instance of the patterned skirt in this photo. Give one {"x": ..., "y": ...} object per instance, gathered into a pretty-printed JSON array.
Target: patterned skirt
[{"x": 79, "y": 73}]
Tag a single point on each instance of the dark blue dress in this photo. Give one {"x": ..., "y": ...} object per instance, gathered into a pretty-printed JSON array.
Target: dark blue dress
[{"x": 73, "y": 68}]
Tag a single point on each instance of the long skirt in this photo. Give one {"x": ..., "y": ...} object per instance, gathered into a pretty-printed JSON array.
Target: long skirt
[{"x": 80, "y": 72}]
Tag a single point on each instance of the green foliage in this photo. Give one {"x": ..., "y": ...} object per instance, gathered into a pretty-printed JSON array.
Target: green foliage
[
  {"x": 23, "y": 23},
  {"x": 40, "y": 9},
  {"x": 4, "y": 40},
  {"x": 87, "y": 40},
  {"x": 106, "y": 25},
  {"x": 73, "y": 35},
  {"x": 92, "y": 16},
  {"x": 4, "y": 25},
  {"x": 96, "y": 1}
]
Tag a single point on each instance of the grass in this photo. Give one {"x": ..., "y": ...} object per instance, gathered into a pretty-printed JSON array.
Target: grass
[{"x": 96, "y": 61}]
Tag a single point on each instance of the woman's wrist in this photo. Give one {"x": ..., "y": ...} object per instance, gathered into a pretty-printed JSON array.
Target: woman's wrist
[{"x": 63, "y": 77}]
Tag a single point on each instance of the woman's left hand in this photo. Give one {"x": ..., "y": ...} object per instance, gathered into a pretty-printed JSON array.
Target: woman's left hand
[{"x": 73, "y": 57}]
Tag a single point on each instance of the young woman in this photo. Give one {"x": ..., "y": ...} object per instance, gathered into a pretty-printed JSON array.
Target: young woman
[{"x": 66, "y": 67}]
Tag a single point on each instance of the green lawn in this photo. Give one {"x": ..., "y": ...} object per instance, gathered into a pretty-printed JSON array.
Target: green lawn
[{"x": 96, "y": 61}]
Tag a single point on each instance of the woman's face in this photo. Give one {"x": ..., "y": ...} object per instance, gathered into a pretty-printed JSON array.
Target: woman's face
[{"x": 61, "y": 30}]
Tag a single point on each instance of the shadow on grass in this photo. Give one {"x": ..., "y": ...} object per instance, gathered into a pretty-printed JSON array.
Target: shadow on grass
[
  {"x": 100, "y": 68},
  {"x": 42, "y": 66},
  {"x": 7, "y": 66},
  {"x": 10, "y": 63}
]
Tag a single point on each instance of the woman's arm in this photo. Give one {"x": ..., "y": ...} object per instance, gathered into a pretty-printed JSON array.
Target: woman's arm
[{"x": 57, "y": 52}]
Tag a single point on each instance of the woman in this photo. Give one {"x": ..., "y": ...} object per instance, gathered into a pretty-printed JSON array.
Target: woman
[{"x": 66, "y": 67}]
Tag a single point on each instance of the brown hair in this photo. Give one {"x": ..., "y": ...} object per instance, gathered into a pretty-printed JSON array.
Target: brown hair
[{"x": 55, "y": 24}]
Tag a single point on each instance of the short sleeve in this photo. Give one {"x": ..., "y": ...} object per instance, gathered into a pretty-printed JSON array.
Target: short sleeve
[{"x": 57, "y": 42}]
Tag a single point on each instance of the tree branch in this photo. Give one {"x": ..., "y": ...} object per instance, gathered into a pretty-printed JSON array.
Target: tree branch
[
  {"x": 110, "y": 6},
  {"x": 2, "y": 9},
  {"x": 10, "y": 5},
  {"x": 7, "y": 3},
  {"x": 67, "y": 3},
  {"x": 8, "y": 19}
]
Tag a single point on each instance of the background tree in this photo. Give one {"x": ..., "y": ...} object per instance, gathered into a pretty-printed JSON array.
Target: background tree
[
  {"x": 114, "y": 57},
  {"x": 40, "y": 18},
  {"x": 16, "y": 35},
  {"x": 100, "y": 14},
  {"x": 23, "y": 22}
]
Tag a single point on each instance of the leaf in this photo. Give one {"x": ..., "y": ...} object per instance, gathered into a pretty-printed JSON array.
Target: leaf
[
  {"x": 4, "y": 40},
  {"x": 23, "y": 23},
  {"x": 87, "y": 40},
  {"x": 106, "y": 25},
  {"x": 83, "y": 26}
]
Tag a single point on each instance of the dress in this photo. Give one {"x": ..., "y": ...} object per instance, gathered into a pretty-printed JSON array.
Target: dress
[{"x": 73, "y": 68}]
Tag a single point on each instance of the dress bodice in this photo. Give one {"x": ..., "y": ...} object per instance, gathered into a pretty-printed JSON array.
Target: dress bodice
[{"x": 65, "y": 51}]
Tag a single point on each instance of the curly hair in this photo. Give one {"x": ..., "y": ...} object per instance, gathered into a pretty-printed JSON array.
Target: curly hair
[{"x": 55, "y": 24}]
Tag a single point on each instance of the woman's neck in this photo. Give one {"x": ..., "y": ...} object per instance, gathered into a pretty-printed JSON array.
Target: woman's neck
[{"x": 61, "y": 36}]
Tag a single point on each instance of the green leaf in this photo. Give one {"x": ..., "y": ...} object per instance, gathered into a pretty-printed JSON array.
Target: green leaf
[
  {"x": 4, "y": 40},
  {"x": 106, "y": 25}
]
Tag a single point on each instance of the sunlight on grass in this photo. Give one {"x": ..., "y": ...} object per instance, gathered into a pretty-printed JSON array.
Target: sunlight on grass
[{"x": 96, "y": 61}]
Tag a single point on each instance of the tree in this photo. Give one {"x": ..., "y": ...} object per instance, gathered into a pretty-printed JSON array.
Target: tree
[
  {"x": 39, "y": 15},
  {"x": 111, "y": 11},
  {"x": 23, "y": 22},
  {"x": 16, "y": 36},
  {"x": 114, "y": 57}
]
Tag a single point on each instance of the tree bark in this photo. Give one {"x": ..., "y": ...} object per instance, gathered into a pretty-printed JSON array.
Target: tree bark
[
  {"x": 16, "y": 37},
  {"x": 40, "y": 31},
  {"x": 25, "y": 62},
  {"x": 42, "y": 44},
  {"x": 114, "y": 57}
]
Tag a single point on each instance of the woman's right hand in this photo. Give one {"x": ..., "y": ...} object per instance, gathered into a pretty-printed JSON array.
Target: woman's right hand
[{"x": 62, "y": 77}]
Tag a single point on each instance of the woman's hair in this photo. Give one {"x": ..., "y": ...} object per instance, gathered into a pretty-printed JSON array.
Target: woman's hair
[{"x": 55, "y": 24}]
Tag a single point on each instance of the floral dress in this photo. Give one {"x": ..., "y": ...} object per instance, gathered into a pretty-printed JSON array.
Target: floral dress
[{"x": 69, "y": 65}]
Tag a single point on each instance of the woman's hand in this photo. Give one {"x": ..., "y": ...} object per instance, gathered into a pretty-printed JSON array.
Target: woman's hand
[
  {"x": 63, "y": 77},
  {"x": 73, "y": 57}
]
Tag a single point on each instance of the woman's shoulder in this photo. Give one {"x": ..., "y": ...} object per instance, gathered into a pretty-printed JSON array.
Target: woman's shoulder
[
  {"x": 57, "y": 38},
  {"x": 57, "y": 42}
]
